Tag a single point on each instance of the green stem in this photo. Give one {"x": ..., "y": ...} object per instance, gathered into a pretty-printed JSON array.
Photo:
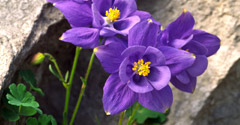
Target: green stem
[
  {"x": 82, "y": 89},
  {"x": 19, "y": 109},
  {"x": 130, "y": 120},
  {"x": 121, "y": 117},
  {"x": 69, "y": 85},
  {"x": 53, "y": 60}
]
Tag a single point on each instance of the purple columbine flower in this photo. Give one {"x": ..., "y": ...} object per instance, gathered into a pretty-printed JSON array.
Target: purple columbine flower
[
  {"x": 180, "y": 34},
  {"x": 139, "y": 71},
  {"x": 99, "y": 18}
]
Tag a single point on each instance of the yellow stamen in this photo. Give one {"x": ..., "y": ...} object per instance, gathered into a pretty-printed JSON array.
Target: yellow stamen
[
  {"x": 112, "y": 15},
  {"x": 141, "y": 67}
]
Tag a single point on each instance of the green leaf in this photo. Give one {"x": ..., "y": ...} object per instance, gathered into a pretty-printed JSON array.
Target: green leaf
[
  {"x": 83, "y": 80},
  {"x": 143, "y": 114},
  {"x": 39, "y": 91},
  {"x": 54, "y": 72},
  {"x": 32, "y": 121},
  {"x": 27, "y": 111},
  {"x": 9, "y": 114},
  {"x": 20, "y": 97},
  {"x": 38, "y": 110},
  {"x": 29, "y": 77},
  {"x": 66, "y": 76},
  {"x": 43, "y": 119},
  {"x": 46, "y": 119}
]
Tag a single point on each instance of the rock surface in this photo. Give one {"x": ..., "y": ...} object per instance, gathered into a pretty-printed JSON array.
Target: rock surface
[
  {"x": 29, "y": 26},
  {"x": 219, "y": 17},
  {"x": 22, "y": 23}
]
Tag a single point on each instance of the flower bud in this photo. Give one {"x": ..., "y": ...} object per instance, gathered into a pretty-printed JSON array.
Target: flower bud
[{"x": 37, "y": 58}]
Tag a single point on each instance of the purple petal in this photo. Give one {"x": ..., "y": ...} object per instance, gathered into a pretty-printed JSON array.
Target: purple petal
[
  {"x": 143, "y": 33},
  {"x": 117, "y": 97},
  {"x": 159, "y": 101},
  {"x": 183, "y": 77},
  {"x": 110, "y": 55},
  {"x": 199, "y": 66},
  {"x": 196, "y": 48},
  {"x": 162, "y": 39},
  {"x": 78, "y": 15},
  {"x": 125, "y": 70},
  {"x": 211, "y": 42},
  {"x": 181, "y": 26},
  {"x": 155, "y": 56},
  {"x": 177, "y": 60},
  {"x": 126, "y": 7},
  {"x": 78, "y": 1},
  {"x": 139, "y": 84},
  {"x": 179, "y": 43},
  {"x": 124, "y": 25},
  {"x": 186, "y": 87},
  {"x": 110, "y": 31},
  {"x": 159, "y": 77},
  {"x": 97, "y": 18},
  {"x": 136, "y": 51},
  {"x": 142, "y": 14},
  {"x": 103, "y": 5},
  {"x": 82, "y": 36}
]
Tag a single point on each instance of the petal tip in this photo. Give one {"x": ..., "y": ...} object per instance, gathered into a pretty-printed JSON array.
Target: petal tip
[
  {"x": 162, "y": 28},
  {"x": 166, "y": 110},
  {"x": 108, "y": 113},
  {"x": 95, "y": 49},
  {"x": 150, "y": 20},
  {"x": 61, "y": 38},
  {"x": 184, "y": 10}
]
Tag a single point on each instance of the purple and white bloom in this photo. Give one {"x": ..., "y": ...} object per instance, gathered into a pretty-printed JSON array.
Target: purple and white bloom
[
  {"x": 99, "y": 18},
  {"x": 139, "y": 71},
  {"x": 180, "y": 34}
]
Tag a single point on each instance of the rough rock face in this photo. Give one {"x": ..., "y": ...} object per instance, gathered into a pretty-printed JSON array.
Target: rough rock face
[
  {"x": 212, "y": 102},
  {"x": 22, "y": 23},
  {"x": 29, "y": 26}
]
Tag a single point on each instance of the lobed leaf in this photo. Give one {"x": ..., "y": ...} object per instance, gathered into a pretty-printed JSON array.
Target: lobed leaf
[
  {"x": 32, "y": 121},
  {"x": 20, "y": 97},
  {"x": 9, "y": 114},
  {"x": 42, "y": 120},
  {"x": 29, "y": 77}
]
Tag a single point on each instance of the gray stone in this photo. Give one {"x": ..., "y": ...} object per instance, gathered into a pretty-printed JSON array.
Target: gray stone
[
  {"x": 22, "y": 23},
  {"x": 219, "y": 17}
]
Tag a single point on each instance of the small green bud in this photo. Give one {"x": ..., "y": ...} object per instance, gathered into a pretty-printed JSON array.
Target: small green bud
[{"x": 37, "y": 58}]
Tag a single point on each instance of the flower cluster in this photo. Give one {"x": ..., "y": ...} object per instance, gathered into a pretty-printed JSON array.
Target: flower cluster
[{"x": 142, "y": 57}]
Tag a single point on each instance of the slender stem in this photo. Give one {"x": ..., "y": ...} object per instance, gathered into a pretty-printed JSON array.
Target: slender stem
[
  {"x": 83, "y": 88},
  {"x": 19, "y": 109},
  {"x": 121, "y": 117},
  {"x": 69, "y": 85},
  {"x": 133, "y": 113},
  {"x": 53, "y": 60}
]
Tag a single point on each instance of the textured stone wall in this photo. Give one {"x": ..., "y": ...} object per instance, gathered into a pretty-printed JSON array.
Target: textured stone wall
[
  {"x": 220, "y": 17},
  {"x": 29, "y": 26}
]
